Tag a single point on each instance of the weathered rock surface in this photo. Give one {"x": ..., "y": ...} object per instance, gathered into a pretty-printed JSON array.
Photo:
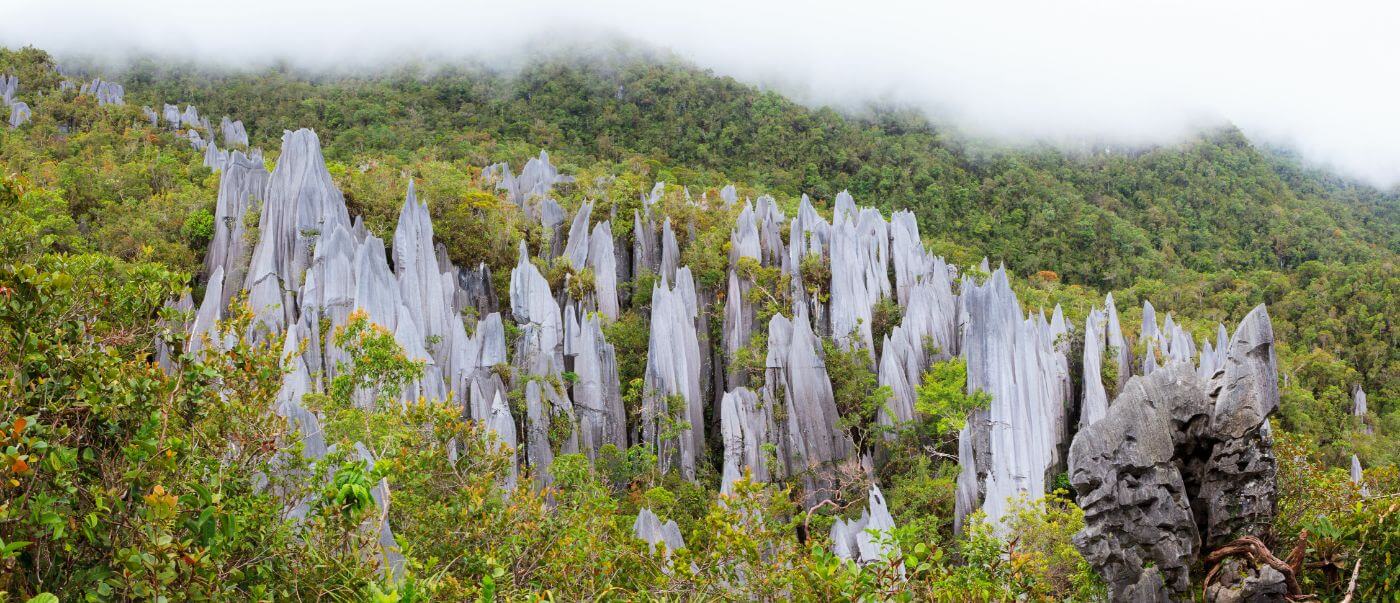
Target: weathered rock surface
[
  {"x": 597, "y": 395},
  {"x": 868, "y": 539},
  {"x": 672, "y": 400},
  {"x": 809, "y": 441},
  {"x": 233, "y": 132},
  {"x": 1241, "y": 582},
  {"x": 1240, "y": 481},
  {"x": 745, "y": 426},
  {"x": 241, "y": 187},
  {"x": 1136, "y": 505},
  {"x": 1180, "y": 465},
  {"x": 19, "y": 114},
  {"x": 1015, "y": 442},
  {"x": 648, "y": 527}
]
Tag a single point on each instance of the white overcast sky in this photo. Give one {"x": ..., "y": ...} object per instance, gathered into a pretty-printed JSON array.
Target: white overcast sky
[{"x": 1322, "y": 77}]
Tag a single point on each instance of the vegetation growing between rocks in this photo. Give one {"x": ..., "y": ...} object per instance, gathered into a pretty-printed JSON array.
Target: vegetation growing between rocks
[{"x": 119, "y": 481}]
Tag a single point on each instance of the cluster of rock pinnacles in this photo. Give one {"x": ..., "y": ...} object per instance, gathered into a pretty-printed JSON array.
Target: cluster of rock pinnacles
[{"x": 1171, "y": 458}]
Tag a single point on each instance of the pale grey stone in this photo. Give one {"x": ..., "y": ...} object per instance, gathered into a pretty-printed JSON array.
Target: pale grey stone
[
  {"x": 746, "y": 426},
  {"x": 672, "y": 395},
  {"x": 19, "y": 114},
  {"x": 648, "y": 528},
  {"x": 602, "y": 260},
  {"x": 241, "y": 186},
  {"x": 1015, "y": 442},
  {"x": 233, "y": 132}
]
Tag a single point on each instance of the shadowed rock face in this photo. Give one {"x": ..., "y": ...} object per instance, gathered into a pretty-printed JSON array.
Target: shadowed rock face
[
  {"x": 1241, "y": 477},
  {"x": 1177, "y": 462},
  {"x": 1136, "y": 505}
]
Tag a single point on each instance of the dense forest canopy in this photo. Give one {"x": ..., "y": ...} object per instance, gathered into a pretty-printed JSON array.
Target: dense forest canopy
[{"x": 124, "y": 481}]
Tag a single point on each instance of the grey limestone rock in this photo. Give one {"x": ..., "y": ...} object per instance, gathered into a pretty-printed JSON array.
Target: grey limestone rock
[
  {"x": 1239, "y": 581},
  {"x": 1095, "y": 401},
  {"x": 673, "y": 396},
  {"x": 19, "y": 114},
  {"x": 241, "y": 186},
  {"x": 1240, "y": 481},
  {"x": 233, "y": 133},
  {"x": 597, "y": 394},
  {"x": 501, "y": 423},
  {"x": 1357, "y": 477},
  {"x": 1140, "y": 533},
  {"x": 648, "y": 528},
  {"x": 107, "y": 93},
  {"x": 1015, "y": 442},
  {"x": 171, "y": 114},
  {"x": 301, "y": 202},
  {"x": 868, "y": 539},
  {"x": 576, "y": 250},
  {"x": 151, "y": 116},
  {"x": 603, "y": 261},
  {"x": 745, "y": 426},
  {"x": 9, "y": 86},
  {"x": 729, "y": 195},
  {"x": 211, "y": 311},
  {"x": 809, "y": 441},
  {"x": 190, "y": 118}
]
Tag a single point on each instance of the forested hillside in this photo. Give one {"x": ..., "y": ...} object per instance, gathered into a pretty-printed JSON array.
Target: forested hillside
[{"x": 148, "y": 451}]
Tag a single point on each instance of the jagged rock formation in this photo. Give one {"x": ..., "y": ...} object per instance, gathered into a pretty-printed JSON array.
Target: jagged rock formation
[
  {"x": 1013, "y": 446},
  {"x": 539, "y": 364},
  {"x": 531, "y": 190},
  {"x": 190, "y": 118},
  {"x": 673, "y": 416},
  {"x": 868, "y": 539},
  {"x": 107, "y": 93},
  {"x": 233, "y": 132},
  {"x": 859, "y": 278},
  {"x": 171, "y": 114},
  {"x": 745, "y": 426},
  {"x": 648, "y": 528},
  {"x": 602, "y": 259},
  {"x": 19, "y": 114},
  {"x": 9, "y": 86},
  {"x": 1178, "y": 462},
  {"x": 809, "y": 441},
  {"x": 597, "y": 394},
  {"x": 1358, "y": 408},
  {"x": 1357, "y": 477},
  {"x": 1241, "y": 476}
]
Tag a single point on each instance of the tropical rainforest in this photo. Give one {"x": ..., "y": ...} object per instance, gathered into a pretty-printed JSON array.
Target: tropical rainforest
[{"x": 122, "y": 477}]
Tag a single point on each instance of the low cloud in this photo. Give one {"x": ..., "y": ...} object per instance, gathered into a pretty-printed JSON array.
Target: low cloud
[{"x": 1320, "y": 78}]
